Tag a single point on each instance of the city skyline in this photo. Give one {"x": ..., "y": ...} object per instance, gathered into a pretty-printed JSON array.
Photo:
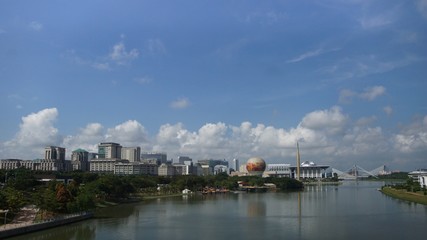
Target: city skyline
[{"x": 218, "y": 79}]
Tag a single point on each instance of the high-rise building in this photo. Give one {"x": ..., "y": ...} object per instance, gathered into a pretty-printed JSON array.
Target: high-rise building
[
  {"x": 109, "y": 150},
  {"x": 183, "y": 159},
  {"x": 80, "y": 160},
  {"x": 236, "y": 164},
  {"x": 54, "y": 153},
  {"x": 133, "y": 154}
]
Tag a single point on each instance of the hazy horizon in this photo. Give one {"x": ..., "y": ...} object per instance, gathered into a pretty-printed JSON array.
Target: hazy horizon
[{"x": 218, "y": 79}]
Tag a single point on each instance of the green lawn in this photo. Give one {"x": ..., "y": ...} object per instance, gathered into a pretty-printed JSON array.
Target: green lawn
[{"x": 418, "y": 197}]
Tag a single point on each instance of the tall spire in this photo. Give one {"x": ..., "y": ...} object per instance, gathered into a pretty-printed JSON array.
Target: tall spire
[{"x": 298, "y": 163}]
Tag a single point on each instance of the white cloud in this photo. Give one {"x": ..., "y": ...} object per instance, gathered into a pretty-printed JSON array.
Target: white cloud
[
  {"x": 72, "y": 56},
  {"x": 422, "y": 7},
  {"x": 36, "y": 26},
  {"x": 35, "y": 133},
  {"x": 326, "y": 136},
  {"x": 368, "y": 94},
  {"x": 129, "y": 133},
  {"x": 363, "y": 141},
  {"x": 101, "y": 66},
  {"x": 372, "y": 92},
  {"x": 412, "y": 138},
  {"x": 365, "y": 121},
  {"x": 388, "y": 110},
  {"x": 180, "y": 103},
  {"x": 365, "y": 65},
  {"x": 331, "y": 120},
  {"x": 119, "y": 54},
  {"x": 87, "y": 138},
  {"x": 306, "y": 55}
]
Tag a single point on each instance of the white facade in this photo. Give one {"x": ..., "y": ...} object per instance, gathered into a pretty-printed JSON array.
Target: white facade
[
  {"x": 133, "y": 154},
  {"x": 419, "y": 176},
  {"x": 166, "y": 170},
  {"x": 9, "y": 164},
  {"x": 423, "y": 181},
  {"x": 236, "y": 164},
  {"x": 104, "y": 165},
  {"x": 309, "y": 170},
  {"x": 278, "y": 170},
  {"x": 40, "y": 164}
]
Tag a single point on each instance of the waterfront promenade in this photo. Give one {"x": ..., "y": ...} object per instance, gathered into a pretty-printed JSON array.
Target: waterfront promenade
[{"x": 24, "y": 222}]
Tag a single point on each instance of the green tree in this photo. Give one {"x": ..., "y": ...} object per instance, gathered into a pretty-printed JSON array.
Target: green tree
[
  {"x": 21, "y": 179},
  {"x": 13, "y": 199}
]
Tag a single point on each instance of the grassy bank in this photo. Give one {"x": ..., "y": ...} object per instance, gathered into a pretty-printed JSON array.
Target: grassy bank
[{"x": 404, "y": 195}]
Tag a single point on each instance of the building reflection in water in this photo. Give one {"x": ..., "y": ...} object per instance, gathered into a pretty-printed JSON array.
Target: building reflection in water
[{"x": 256, "y": 209}]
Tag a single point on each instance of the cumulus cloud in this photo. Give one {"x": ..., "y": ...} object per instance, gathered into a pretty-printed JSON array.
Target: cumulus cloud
[
  {"x": 36, "y": 26},
  {"x": 129, "y": 133},
  {"x": 331, "y": 121},
  {"x": 412, "y": 138},
  {"x": 180, "y": 103},
  {"x": 87, "y": 138},
  {"x": 35, "y": 132},
  {"x": 99, "y": 64},
  {"x": 119, "y": 54},
  {"x": 326, "y": 136}
]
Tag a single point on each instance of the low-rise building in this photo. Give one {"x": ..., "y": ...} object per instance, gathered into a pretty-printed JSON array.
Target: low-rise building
[
  {"x": 309, "y": 170},
  {"x": 103, "y": 165},
  {"x": 419, "y": 176},
  {"x": 278, "y": 170},
  {"x": 135, "y": 168}
]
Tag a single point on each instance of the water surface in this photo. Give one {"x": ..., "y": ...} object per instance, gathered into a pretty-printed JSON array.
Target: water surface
[{"x": 354, "y": 210}]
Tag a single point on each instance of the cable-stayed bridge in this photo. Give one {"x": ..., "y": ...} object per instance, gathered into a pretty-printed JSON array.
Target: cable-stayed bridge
[{"x": 356, "y": 172}]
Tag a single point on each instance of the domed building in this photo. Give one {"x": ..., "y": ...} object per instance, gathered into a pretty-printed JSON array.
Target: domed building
[{"x": 255, "y": 166}]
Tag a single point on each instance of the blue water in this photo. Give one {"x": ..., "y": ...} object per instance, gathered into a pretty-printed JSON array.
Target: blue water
[{"x": 353, "y": 210}]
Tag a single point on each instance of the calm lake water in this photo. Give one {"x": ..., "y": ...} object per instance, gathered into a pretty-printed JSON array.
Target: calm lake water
[{"x": 353, "y": 210}]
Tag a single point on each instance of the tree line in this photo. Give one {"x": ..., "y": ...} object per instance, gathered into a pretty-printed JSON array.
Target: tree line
[{"x": 86, "y": 190}]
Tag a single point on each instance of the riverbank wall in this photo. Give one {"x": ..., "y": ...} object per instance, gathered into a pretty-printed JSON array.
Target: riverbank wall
[{"x": 9, "y": 230}]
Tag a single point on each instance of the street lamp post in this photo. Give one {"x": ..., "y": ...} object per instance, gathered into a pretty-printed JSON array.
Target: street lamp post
[{"x": 5, "y": 215}]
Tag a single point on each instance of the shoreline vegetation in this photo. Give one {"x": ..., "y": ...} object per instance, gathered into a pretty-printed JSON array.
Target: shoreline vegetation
[
  {"x": 68, "y": 193},
  {"x": 402, "y": 194},
  {"x": 407, "y": 190}
]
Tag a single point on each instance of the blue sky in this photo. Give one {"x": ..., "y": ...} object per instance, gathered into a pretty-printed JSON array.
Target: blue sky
[{"x": 218, "y": 79}]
